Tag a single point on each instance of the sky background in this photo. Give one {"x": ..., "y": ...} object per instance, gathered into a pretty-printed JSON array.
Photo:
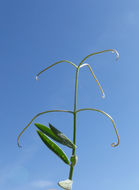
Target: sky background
[{"x": 33, "y": 35}]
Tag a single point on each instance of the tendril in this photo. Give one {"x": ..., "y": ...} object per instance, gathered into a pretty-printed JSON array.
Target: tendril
[
  {"x": 49, "y": 111},
  {"x": 54, "y": 65},
  {"x": 95, "y": 53},
  {"x": 91, "y": 109},
  {"x": 86, "y": 64}
]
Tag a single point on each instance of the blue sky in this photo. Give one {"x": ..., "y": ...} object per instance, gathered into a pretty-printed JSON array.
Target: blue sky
[{"x": 33, "y": 35}]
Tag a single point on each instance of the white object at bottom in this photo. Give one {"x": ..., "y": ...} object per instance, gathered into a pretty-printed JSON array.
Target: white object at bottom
[{"x": 66, "y": 184}]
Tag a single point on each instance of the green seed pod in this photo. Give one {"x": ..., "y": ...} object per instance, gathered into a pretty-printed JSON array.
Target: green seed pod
[
  {"x": 64, "y": 140},
  {"x": 52, "y": 146},
  {"x": 47, "y": 131}
]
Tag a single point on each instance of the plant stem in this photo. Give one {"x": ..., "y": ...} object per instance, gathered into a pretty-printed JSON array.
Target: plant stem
[{"x": 74, "y": 131}]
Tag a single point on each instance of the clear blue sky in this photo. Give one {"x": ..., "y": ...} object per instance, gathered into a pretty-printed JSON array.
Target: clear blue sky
[{"x": 35, "y": 34}]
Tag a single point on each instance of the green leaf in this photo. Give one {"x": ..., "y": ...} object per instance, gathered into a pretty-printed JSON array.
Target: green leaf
[
  {"x": 55, "y": 135},
  {"x": 47, "y": 131},
  {"x": 64, "y": 140},
  {"x": 52, "y": 146}
]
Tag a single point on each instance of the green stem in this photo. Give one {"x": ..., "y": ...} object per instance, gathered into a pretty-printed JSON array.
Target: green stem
[{"x": 74, "y": 131}]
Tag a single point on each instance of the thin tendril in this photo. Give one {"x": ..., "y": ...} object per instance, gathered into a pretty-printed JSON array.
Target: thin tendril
[
  {"x": 49, "y": 111},
  {"x": 112, "y": 50},
  {"x": 86, "y": 64},
  {"x": 91, "y": 109},
  {"x": 54, "y": 65}
]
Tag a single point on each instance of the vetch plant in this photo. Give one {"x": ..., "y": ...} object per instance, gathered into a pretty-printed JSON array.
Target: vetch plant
[{"x": 48, "y": 133}]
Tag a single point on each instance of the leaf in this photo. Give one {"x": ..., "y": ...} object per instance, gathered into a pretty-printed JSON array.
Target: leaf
[
  {"x": 52, "y": 146},
  {"x": 55, "y": 135},
  {"x": 64, "y": 140},
  {"x": 47, "y": 131}
]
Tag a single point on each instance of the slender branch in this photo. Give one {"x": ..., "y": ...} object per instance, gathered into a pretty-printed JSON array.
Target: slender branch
[
  {"x": 74, "y": 119},
  {"x": 95, "y": 53},
  {"x": 75, "y": 106},
  {"x": 54, "y": 65},
  {"x": 49, "y": 111},
  {"x": 86, "y": 64},
  {"x": 91, "y": 109}
]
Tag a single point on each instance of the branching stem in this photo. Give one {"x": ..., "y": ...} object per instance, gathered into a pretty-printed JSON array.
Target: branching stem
[{"x": 75, "y": 102}]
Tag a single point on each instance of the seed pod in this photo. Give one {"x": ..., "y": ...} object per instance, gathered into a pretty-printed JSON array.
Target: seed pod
[
  {"x": 52, "y": 146},
  {"x": 47, "y": 131},
  {"x": 55, "y": 134},
  {"x": 64, "y": 140}
]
